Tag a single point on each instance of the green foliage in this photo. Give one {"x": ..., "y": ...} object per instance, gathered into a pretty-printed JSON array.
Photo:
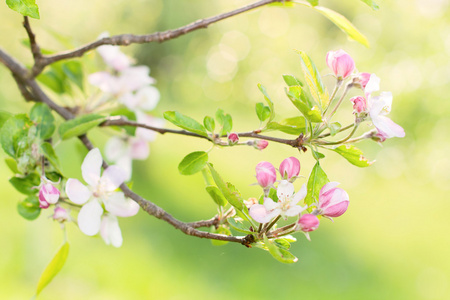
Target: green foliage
[
  {"x": 279, "y": 252},
  {"x": 343, "y": 24},
  {"x": 372, "y": 4},
  {"x": 228, "y": 190},
  {"x": 4, "y": 116},
  {"x": 262, "y": 111},
  {"x": 53, "y": 267},
  {"x": 74, "y": 71},
  {"x": 27, "y": 184},
  {"x": 313, "y": 2},
  {"x": 298, "y": 97},
  {"x": 14, "y": 134},
  {"x": 209, "y": 123},
  {"x": 334, "y": 128},
  {"x": 291, "y": 80},
  {"x": 60, "y": 74},
  {"x": 42, "y": 116},
  {"x": 130, "y": 115},
  {"x": 185, "y": 122},
  {"x": 29, "y": 208},
  {"x": 353, "y": 155},
  {"x": 193, "y": 163},
  {"x": 269, "y": 102},
  {"x": 295, "y": 125},
  {"x": 24, "y": 7},
  {"x": 239, "y": 226},
  {"x": 225, "y": 121},
  {"x": 216, "y": 195},
  {"x": 79, "y": 126},
  {"x": 317, "y": 179},
  {"x": 12, "y": 165},
  {"x": 220, "y": 230},
  {"x": 48, "y": 152}
]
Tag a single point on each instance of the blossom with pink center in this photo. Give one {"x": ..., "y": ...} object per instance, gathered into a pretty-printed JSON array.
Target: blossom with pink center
[
  {"x": 99, "y": 192},
  {"x": 359, "y": 104},
  {"x": 265, "y": 174},
  {"x": 307, "y": 223},
  {"x": 333, "y": 201},
  {"x": 286, "y": 205},
  {"x": 113, "y": 57},
  {"x": 61, "y": 215},
  {"x": 290, "y": 168},
  {"x": 340, "y": 63},
  {"x": 233, "y": 138},
  {"x": 48, "y": 194}
]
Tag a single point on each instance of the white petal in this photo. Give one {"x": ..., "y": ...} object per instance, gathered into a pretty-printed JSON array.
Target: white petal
[
  {"x": 146, "y": 134},
  {"x": 110, "y": 231},
  {"x": 148, "y": 98},
  {"x": 285, "y": 189},
  {"x": 104, "y": 81},
  {"x": 77, "y": 192},
  {"x": 125, "y": 164},
  {"x": 91, "y": 167},
  {"x": 112, "y": 178},
  {"x": 388, "y": 127},
  {"x": 134, "y": 78},
  {"x": 89, "y": 218},
  {"x": 115, "y": 148},
  {"x": 295, "y": 210},
  {"x": 113, "y": 57},
  {"x": 259, "y": 213},
  {"x": 269, "y": 204},
  {"x": 300, "y": 195},
  {"x": 373, "y": 84},
  {"x": 139, "y": 149},
  {"x": 120, "y": 206}
]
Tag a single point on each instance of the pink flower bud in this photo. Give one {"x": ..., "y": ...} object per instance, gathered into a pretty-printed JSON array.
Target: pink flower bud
[
  {"x": 260, "y": 144},
  {"x": 363, "y": 79},
  {"x": 233, "y": 138},
  {"x": 265, "y": 174},
  {"x": 341, "y": 63},
  {"x": 359, "y": 104},
  {"x": 61, "y": 215},
  {"x": 48, "y": 194},
  {"x": 307, "y": 222},
  {"x": 379, "y": 137},
  {"x": 333, "y": 201},
  {"x": 290, "y": 167}
]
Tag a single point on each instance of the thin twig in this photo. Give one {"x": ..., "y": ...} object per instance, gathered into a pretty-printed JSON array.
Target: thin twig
[{"x": 35, "y": 50}]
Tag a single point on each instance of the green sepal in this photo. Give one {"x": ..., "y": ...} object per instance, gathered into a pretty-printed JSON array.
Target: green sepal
[{"x": 279, "y": 253}]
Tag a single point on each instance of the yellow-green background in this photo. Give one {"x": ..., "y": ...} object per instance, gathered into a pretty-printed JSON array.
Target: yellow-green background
[{"x": 393, "y": 242}]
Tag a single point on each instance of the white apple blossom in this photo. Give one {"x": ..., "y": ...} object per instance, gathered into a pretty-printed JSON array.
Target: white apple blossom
[{"x": 99, "y": 198}]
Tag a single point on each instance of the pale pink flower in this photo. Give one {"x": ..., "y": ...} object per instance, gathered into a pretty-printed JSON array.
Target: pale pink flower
[
  {"x": 380, "y": 106},
  {"x": 110, "y": 230},
  {"x": 340, "y": 63},
  {"x": 265, "y": 174},
  {"x": 359, "y": 104},
  {"x": 101, "y": 190},
  {"x": 48, "y": 194},
  {"x": 113, "y": 57},
  {"x": 286, "y": 205},
  {"x": 61, "y": 215},
  {"x": 363, "y": 79},
  {"x": 333, "y": 201},
  {"x": 290, "y": 168},
  {"x": 145, "y": 99},
  {"x": 373, "y": 85}
]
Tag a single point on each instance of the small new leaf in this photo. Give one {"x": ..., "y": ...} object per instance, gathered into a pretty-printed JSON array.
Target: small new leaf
[
  {"x": 216, "y": 195},
  {"x": 353, "y": 155},
  {"x": 291, "y": 80},
  {"x": 79, "y": 126},
  {"x": 50, "y": 155},
  {"x": 29, "y": 208},
  {"x": 262, "y": 111},
  {"x": 42, "y": 116},
  {"x": 185, "y": 122},
  {"x": 209, "y": 123},
  {"x": 269, "y": 102},
  {"x": 279, "y": 253},
  {"x": 372, "y": 4},
  {"x": 27, "y": 184},
  {"x": 317, "y": 179},
  {"x": 24, "y": 7},
  {"x": 193, "y": 163},
  {"x": 228, "y": 190}
]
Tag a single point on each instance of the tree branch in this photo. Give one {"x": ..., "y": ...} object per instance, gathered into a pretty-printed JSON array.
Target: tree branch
[
  {"x": 35, "y": 50},
  {"x": 127, "y": 39}
]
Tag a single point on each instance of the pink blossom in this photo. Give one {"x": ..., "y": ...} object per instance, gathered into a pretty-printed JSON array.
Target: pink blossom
[
  {"x": 61, "y": 215},
  {"x": 48, "y": 194},
  {"x": 380, "y": 106},
  {"x": 307, "y": 222},
  {"x": 265, "y": 174},
  {"x": 363, "y": 79},
  {"x": 113, "y": 57},
  {"x": 340, "y": 63},
  {"x": 260, "y": 144},
  {"x": 333, "y": 201},
  {"x": 290, "y": 168},
  {"x": 233, "y": 138},
  {"x": 359, "y": 104}
]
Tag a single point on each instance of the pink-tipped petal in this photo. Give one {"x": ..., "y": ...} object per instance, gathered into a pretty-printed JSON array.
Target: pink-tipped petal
[
  {"x": 91, "y": 167},
  {"x": 89, "y": 218},
  {"x": 340, "y": 63},
  {"x": 290, "y": 167},
  {"x": 113, "y": 57},
  {"x": 110, "y": 231},
  {"x": 120, "y": 206},
  {"x": 265, "y": 174},
  {"x": 327, "y": 187},
  {"x": 77, "y": 192},
  {"x": 112, "y": 178},
  {"x": 337, "y": 209}
]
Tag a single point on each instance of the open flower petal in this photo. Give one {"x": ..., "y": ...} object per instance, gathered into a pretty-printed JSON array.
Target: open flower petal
[
  {"x": 89, "y": 218},
  {"x": 110, "y": 231},
  {"x": 120, "y": 206},
  {"x": 77, "y": 192},
  {"x": 285, "y": 190},
  {"x": 91, "y": 167},
  {"x": 388, "y": 127},
  {"x": 300, "y": 195},
  {"x": 260, "y": 213},
  {"x": 112, "y": 178},
  {"x": 295, "y": 210}
]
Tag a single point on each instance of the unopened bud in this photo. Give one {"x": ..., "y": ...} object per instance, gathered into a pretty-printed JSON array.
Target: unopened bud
[
  {"x": 340, "y": 63},
  {"x": 290, "y": 168},
  {"x": 61, "y": 215},
  {"x": 307, "y": 223},
  {"x": 233, "y": 138},
  {"x": 333, "y": 201},
  {"x": 265, "y": 174},
  {"x": 359, "y": 104},
  {"x": 260, "y": 144},
  {"x": 48, "y": 194}
]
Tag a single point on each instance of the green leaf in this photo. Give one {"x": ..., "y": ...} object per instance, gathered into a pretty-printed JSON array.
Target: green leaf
[
  {"x": 268, "y": 100},
  {"x": 345, "y": 25},
  {"x": 24, "y": 7},
  {"x": 50, "y": 155},
  {"x": 12, "y": 165},
  {"x": 42, "y": 116},
  {"x": 228, "y": 190},
  {"x": 313, "y": 80},
  {"x": 27, "y": 184},
  {"x": 334, "y": 128},
  {"x": 220, "y": 230},
  {"x": 13, "y": 131},
  {"x": 53, "y": 267},
  {"x": 227, "y": 124},
  {"x": 317, "y": 155},
  {"x": 209, "y": 123},
  {"x": 283, "y": 4},
  {"x": 54, "y": 176},
  {"x": 130, "y": 115},
  {"x": 291, "y": 80},
  {"x": 4, "y": 116},
  {"x": 289, "y": 129},
  {"x": 278, "y": 253},
  {"x": 317, "y": 179},
  {"x": 193, "y": 163},
  {"x": 55, "y": 78},
  {"x": 313, "y": 2},
  {"x": 216, "y": 195},
  {"x": 79, "y": 126},
  {"x": 282, "y": 243},
  {"x": 74, "y": 71},
  {"x": 238, "y": 226},
  {"x": 185, "y": 122},
  {"x": 29, "y": 208},
  {"x": 262, "y": 111},
  {"x": 372, "y": 4},
  {"x": 297, "y": 96},
  {"x": 353, "y": 155}
]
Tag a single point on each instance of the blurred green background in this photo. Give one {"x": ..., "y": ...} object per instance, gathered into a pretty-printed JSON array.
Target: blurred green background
[{"x": 393, "y": 242}]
